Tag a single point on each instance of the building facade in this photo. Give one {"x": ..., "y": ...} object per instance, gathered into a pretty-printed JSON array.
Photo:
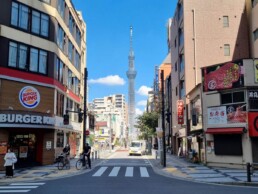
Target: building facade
[
  {"x": 43, "y": 46},
  {"x": 203, "y": 33}
]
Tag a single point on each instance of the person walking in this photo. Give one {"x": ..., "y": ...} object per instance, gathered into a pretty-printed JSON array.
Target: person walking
[
  {"x": 66, "y": 152},
  {"x": 87, "y": 151},
  {"x": 10, "y": 159}
]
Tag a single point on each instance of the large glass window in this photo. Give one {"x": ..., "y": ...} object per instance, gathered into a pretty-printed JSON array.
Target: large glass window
[
  {"x": 21, "y": 18},
  {"x": 71, "y": 23},
  {"x": 59, "y": 70},
  {"x": 78, "y": 36},
  {"x": 12, "y": 54},
  {"x": 23, "y": 53},
  {"x": 42, "y": 62},
  {"x": 77, "y": 60},
  {"x": 182, "y": 62},
  {"x": 233, "y": 97},
  {"x": 70, "y": 51},
  {"x": 60, "y": 38},
  {"x": 181, "y": 37},
  {"x": 59, "y": 104},
  {"x": 61, "y": 7},
  {"x": 34, "y": 54}
]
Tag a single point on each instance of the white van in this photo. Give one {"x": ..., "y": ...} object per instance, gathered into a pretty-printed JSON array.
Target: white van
[{"x": 137, "y": 148}]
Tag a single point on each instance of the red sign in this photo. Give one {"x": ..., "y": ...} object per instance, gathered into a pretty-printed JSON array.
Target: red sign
[
  {"x": 253, "y": 124},
  {"x": 223, "y": 77},
  {"x": 87, "y": 132},
  {"x": 180, "y": 112}
]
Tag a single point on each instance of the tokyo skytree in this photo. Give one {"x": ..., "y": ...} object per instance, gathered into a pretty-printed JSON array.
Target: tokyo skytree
[{"x": 131, "y": 74}]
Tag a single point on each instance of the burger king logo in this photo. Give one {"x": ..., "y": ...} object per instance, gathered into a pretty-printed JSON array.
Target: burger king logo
[{"x": 29, "y": 97}]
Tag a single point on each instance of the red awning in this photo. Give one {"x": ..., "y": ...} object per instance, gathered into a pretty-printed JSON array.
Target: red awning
[{"x": 236, "y": 130}]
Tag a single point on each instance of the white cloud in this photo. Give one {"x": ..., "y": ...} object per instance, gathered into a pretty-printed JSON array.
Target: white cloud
[
  {"x": 138, "y": 111},
  {"x": 142, "y": 103},
  {"x": 143, "y": 90},
  {"x": 110, "y": 80}
]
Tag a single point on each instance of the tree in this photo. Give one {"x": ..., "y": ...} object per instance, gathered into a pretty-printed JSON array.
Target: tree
[{"x": 147, "y": 123}]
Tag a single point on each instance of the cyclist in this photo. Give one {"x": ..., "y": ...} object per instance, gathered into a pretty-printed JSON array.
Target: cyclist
[
  {"x": 66, "y": 152},
  {"x": 87, "y": 151}
]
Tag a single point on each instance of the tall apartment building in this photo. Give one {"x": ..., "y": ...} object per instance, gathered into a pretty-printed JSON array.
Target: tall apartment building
[
  {"x": 43, "y": 55},
  {"x": 203, "y": 33},
  {"x": 111, "y": 113}
]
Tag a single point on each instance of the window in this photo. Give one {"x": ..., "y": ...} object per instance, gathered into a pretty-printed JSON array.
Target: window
[
  {"x": 60, "y": 140},
  {"x": 225, "y": 21},
  {"x": 233, "y": 97},
  {"x": 176, "y": 91},
  {"x": 182, "y": 63},
  {"x": 70, "y": 51},
  {"x": 71, "y": 23},
  {"x": 20, "y": 16},
  {"x": 78, "y": 36},
  {"x": 60, "y": 37},
  {"x": 182, "y": 88},
  {"x": 181, "y": 37},
  {"x": 70, "y": 79},
  {"x": 175, "y": 42},
  {"x": 59, "y": 104},
  {"x": 255, "y": 34},
  {"x": 180, "y": 11},
  {"x": 19, "y": 55},
  {"x": 61, "y": 7},
  {"x": 77, "y": 60},
  {"x": 59, "y": 70},
  {"x": 226, "y": 50},
  {"x": 254, "y": 2}
]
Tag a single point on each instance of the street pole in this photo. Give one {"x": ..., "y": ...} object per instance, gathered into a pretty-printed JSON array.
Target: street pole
[
  {"x": 163, "y": 117},
  {"x": 85, "y": 108}
]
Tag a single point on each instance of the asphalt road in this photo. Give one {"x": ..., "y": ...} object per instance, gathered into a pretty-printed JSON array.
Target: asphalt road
[{"x": 123, "y": 174}]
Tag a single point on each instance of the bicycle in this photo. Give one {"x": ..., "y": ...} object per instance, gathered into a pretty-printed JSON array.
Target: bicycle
[
  {"x": 80, "y": 162},
  {"x": 64, "y": 162}
]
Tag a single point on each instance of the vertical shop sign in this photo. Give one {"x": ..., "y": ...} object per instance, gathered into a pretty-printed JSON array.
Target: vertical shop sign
[{"x": 180, "y": 112}]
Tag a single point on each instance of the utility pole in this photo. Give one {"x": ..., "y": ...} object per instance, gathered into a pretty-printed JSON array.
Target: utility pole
[
  {"x": 85, "y": 108},
  {"x": 163, "y": 117}
]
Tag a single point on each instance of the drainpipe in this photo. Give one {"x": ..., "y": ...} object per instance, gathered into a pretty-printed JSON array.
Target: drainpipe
[{"x": 194, "y": 41}]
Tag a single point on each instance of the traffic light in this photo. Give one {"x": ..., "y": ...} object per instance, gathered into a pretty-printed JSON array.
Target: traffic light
[
  {"x": 66, "y": 119},
  {"x": 80, "y": 115}
]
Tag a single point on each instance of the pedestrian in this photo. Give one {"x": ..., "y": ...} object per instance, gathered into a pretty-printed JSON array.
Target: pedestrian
[
  {"x": 87, "y": 151},
  {"x": 66, "y": 152},
  {"x": 10, "y": 159}
]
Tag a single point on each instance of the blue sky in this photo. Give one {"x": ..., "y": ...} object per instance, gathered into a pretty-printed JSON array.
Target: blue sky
[{"x": 108, "y": 29}]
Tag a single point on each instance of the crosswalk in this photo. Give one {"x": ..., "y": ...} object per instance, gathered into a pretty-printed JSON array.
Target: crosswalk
[
  {"x": 122, "y": 171},
  {"x": 19, "y": 187}
]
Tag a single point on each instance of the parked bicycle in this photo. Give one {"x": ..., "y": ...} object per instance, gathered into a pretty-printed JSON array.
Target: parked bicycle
[
  {"x": 63, "y": 162},
  {"x": 82, "y": 162}
]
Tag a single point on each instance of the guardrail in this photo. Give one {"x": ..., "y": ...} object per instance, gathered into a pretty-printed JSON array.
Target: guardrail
[{"x": 250, "y": 168}]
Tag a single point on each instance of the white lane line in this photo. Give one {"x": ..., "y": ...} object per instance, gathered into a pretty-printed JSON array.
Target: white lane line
[
  {"x": 100, "y": 171},
  {"x": 18, "y": 187},
  {"x": 129, "y": 172},
  {"x": 27, "y": 184},
  {"x": 114, "y": 171},
  {"x": 14, "y": 191},
  {"x": 144, "y": 172}
]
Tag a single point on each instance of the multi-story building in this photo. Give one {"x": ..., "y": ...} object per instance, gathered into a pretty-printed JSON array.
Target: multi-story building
[
  {"x": 43, "y": 55},
  {"x": 112, "y": 111},
  {"x": 203, "y": 33}
]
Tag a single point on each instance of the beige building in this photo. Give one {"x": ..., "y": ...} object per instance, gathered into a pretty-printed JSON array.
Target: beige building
[
  {"x": 43, "y": 56},
  {"x": 203, "y": 33}
]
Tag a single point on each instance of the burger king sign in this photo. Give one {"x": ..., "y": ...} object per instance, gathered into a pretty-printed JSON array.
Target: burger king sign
[{"x": 29, "y": 97}]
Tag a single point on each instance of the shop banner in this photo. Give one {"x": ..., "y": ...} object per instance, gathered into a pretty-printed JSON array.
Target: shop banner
[
  {"x": 217, "y": 115},
  {"x": 223, "y": 76},
  {"x": 180, "y": 112}
]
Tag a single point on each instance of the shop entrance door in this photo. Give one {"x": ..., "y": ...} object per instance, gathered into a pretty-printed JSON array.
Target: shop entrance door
[{"x": 24, "y": 146}]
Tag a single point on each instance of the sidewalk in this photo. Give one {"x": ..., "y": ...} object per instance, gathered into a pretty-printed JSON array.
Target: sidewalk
[
  {"x": 183, "y": 169},
  {"x": 41, "y": 173}
]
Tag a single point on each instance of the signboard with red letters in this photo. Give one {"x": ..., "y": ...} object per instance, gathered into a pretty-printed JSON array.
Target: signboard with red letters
[{"x": 180, "y": 112}]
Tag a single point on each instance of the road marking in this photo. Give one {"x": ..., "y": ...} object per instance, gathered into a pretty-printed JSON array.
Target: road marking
[
  {"x": 27, "y": 184},
  {"x": 129, "y": 172},
  {"x": 14, "y": 191},
  {"x": 18, "y": 187},
  {"x": 100, "y": 171},
  {"x": 144, "y": 172},
  {"x": 114, "y": 171}
]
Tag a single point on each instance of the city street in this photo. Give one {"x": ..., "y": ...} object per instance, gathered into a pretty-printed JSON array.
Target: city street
[{"x": 124, "y": 174}]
